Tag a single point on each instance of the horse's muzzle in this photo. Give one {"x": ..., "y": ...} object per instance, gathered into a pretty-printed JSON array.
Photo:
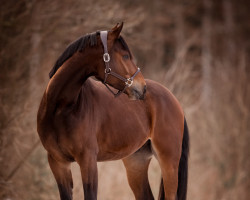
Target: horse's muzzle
[{"x": 137, "y": 93}]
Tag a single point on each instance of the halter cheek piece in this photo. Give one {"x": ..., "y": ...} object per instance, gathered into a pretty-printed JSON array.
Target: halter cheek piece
[{"x": 106, "y": 58}]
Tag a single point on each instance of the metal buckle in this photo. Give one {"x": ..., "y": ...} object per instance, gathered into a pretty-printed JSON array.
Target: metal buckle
[
  {"x": 129, "y": 82},
  {"x": 107, "y": 71},
  {"x": 106, "y": 57}
]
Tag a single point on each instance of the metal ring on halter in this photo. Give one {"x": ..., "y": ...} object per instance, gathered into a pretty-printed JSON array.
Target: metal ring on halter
[
  {"x": 129, "y": 82},
  {"x": 107, "y": 71},
  {"x": 106, "y": 57}
]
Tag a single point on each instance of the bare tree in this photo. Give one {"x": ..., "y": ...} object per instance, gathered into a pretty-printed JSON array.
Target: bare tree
[{"x": 206, "y": 58}]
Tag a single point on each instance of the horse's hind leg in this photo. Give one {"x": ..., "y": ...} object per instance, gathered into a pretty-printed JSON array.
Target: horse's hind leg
[
  {"x": 137, "y": 172},
  {"x": 168, "y": 151},
  {"x": 170, "y": 180},
  {"x": 62, "y": 174}
]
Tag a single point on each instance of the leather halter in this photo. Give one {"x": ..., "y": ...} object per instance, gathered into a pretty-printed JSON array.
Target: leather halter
[{"x": 106, "y": 58}]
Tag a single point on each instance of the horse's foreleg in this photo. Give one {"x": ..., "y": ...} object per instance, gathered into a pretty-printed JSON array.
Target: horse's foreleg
[
  {"x": 88, "y": 165},
  {"x": 137, "y": 172},
  {"x": 62, "y": 174}
]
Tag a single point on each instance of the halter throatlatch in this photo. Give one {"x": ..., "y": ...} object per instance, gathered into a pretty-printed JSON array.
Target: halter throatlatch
[{"x": 106, "y": 58}]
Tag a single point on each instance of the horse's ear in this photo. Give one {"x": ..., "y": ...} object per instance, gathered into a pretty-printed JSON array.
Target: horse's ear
[{"x": 115, "y": 31}]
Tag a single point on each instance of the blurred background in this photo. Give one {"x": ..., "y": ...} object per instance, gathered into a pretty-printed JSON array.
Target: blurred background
[{"x": 199, "y": 49}]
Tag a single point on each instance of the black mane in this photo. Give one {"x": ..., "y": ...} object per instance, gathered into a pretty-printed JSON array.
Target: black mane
[{"x": 79, "y": 45}]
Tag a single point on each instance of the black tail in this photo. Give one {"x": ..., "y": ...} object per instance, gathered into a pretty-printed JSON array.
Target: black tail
[
  {"x": 183, "y": 165},
  {"x": 161, "y": 193},
  {"x": 183, "y": 169}
]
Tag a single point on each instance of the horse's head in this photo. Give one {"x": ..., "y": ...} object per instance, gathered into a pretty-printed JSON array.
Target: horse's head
[{"x": 118, "y": 68}]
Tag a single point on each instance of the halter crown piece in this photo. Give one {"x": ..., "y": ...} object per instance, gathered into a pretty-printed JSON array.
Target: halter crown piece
[{"x": 106, "y": 58}]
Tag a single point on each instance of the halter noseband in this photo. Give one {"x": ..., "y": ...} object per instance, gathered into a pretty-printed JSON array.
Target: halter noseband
[{"x": 106, "y": 58}]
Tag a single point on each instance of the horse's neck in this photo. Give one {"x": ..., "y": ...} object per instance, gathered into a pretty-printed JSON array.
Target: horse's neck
[{"x": 65, "y": 87}]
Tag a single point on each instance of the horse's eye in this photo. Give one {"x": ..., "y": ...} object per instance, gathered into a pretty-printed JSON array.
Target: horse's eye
[{"x": 125, "y": 57}]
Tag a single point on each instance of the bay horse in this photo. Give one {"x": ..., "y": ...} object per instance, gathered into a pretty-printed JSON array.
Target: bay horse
[{"x": 80, "y": 120}]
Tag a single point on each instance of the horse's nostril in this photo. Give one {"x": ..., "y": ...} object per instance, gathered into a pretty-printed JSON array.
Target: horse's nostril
[
  {"x": 142, "y": 96},
  {"x": 144, "y": 89}
]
